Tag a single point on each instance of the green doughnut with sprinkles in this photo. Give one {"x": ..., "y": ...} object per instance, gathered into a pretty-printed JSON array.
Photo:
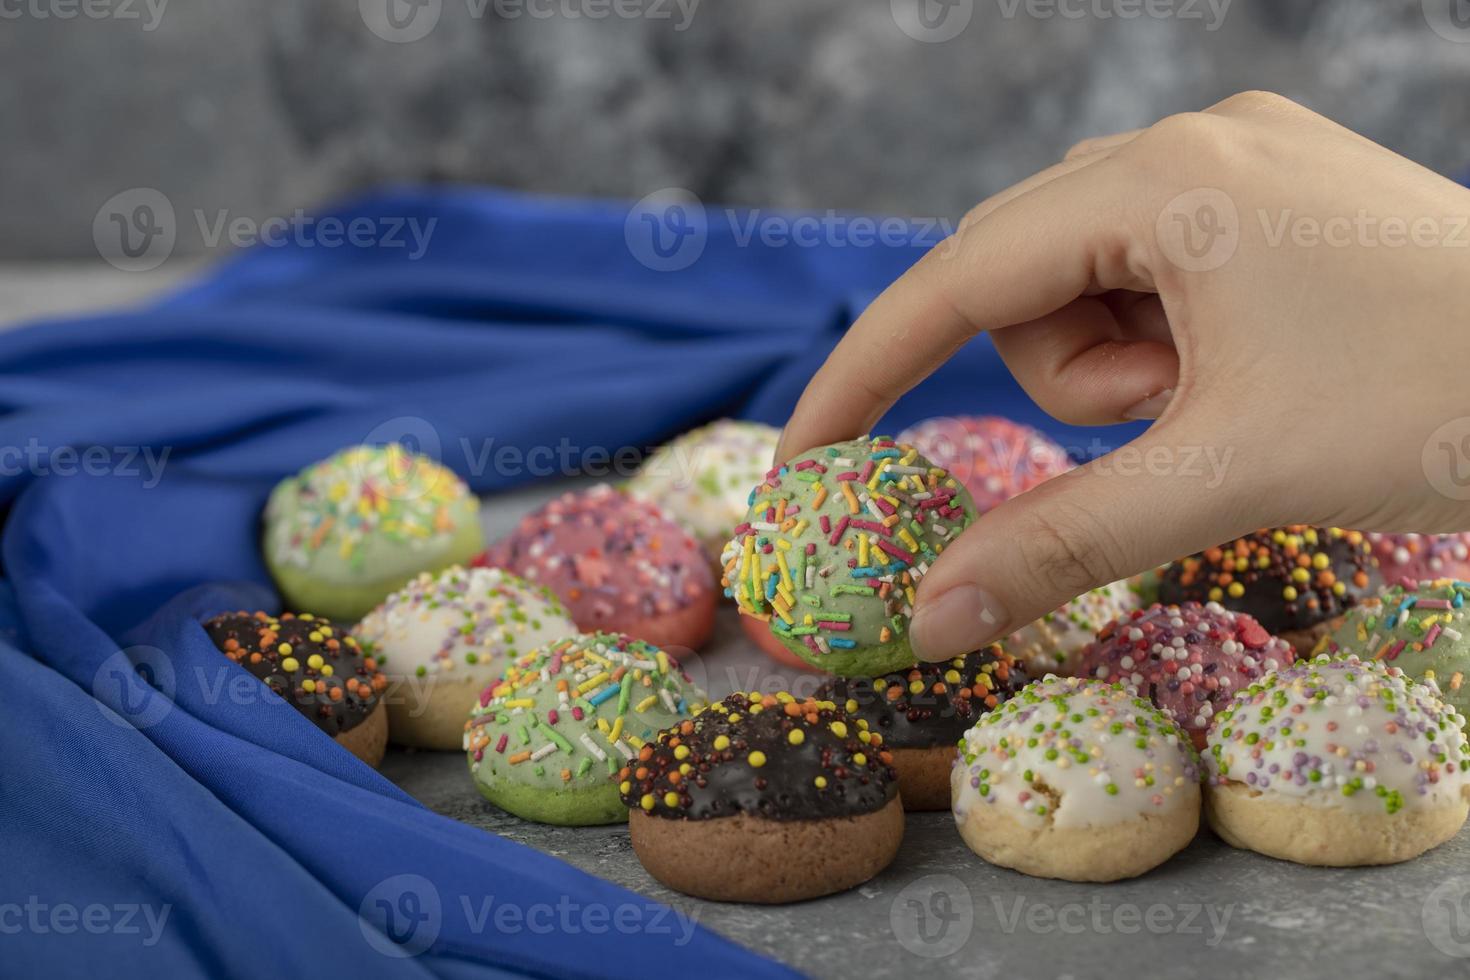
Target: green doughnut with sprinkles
[
  {"x": 546, "y": 740},
  {"x": 834, "y": 545},
  {"x": 345, "y": 532}
]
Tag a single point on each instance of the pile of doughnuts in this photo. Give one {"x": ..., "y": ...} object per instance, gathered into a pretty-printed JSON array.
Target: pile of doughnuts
[{"x": 1300, "y": 690}]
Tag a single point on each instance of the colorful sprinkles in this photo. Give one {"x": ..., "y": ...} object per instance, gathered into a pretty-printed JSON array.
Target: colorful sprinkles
[
  {"x": 929, "y": 704},
  {"x": 1189, "y": 660},
  {"x": 1404, "y": 558},
  {"x": 307, "y": 661},
  {"x": 1054, "y": 643},
  {"x": 1070, "y": 752},
  {"x": 767, "y": 755},
  {"x": 993, "y": 457},
  {"x": 477, "y": 618},
  {"x": 1349, "y": 733},
  {"x": 834, "y": 546},
  {"x": 569, "y": 715},
  {"x": 364, "y": 494},
  {"x": 1289, "y": 578}
]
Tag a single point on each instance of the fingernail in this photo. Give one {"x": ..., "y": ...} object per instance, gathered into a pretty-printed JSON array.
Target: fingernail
[
  {"x": 1151, "y": 407},
  {"x": 956, "y": 622}
]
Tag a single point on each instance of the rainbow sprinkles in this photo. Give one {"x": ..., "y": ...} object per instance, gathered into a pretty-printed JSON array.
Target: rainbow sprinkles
[{"x": 834, "y": 546}]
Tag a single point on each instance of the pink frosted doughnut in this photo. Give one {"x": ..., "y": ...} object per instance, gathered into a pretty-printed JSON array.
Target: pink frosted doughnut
[
  {"x": 618, "y": 563},
  {"x": 993, "y": 457},
  {"x": 1189, "y": 660},
  {"x": 1421, "y": 557}
]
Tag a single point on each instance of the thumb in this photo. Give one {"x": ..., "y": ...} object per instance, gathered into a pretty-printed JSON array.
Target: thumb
[{"x": 1144, "y": 504}]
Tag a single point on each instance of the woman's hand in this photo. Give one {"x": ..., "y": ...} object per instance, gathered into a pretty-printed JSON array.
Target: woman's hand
[{"x": 1277, "y": 290}]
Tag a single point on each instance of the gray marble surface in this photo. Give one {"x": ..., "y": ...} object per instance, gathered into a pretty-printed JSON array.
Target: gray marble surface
[{"x": 254, "y": 109}]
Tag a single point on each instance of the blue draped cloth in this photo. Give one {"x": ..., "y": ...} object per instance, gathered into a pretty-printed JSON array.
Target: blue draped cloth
[{"x": 156, "y": 818}]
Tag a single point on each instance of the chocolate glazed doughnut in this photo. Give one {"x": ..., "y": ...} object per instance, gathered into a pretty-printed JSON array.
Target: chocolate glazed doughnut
[
  {"x": 316, "y": 667},
  {"x": 922, "y": 712},
  {"x": 764, "y": 798}
]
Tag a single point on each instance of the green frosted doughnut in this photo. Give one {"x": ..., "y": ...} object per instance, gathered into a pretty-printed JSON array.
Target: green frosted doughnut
[
  {"x": 343, "y": 533},
  {"x": 833, "y": 547}
]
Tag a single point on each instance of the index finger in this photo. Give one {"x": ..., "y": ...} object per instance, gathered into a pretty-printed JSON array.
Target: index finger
[{"x": 1028, "y": 257}]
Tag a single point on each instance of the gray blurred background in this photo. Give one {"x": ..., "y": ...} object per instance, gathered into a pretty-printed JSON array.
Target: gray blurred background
[{"x": 917, "y": 107}]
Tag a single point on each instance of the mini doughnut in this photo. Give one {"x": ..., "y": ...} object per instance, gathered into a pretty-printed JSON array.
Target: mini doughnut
[
  {"x": 703, "y": 478},
  {"x": 343, "y": 533},
  {"x": 1421, "y": 557},
  {"x": 833, "y": 547},
  {"x": 1054, "y": 643},
  {"x": 545, "y": 741},
  {"x": 1423, "y": 631},
  {"x": 1296, "y": 581},
  {"x": 443, "y": 637},
  {"x": 1340, "y": 763},
  {"x": 993, "y": 457},
  {"x": 1076, "y": 779},
  {"x": 619, "y": 563},
  {"x": 1189, "y": 660},
  {"x": 317, "y": 668},
  {"x": 922, "y": 712},
  {"x": 764, "y": 798}
]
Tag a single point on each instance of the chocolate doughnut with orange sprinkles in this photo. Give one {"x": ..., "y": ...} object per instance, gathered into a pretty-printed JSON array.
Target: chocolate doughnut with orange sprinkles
[
  {"x": 315, "y": 666},
  {"x": 764, "y": 798},
  {"x": 1297, "y": 581},
  {"x": 922, "y": 712}
]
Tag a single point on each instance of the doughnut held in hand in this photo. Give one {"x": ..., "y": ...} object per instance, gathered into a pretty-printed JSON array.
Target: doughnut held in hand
[
  {"x": 1338, "y": 762},
  {"x": 1076, "y": 779},
  {"x": 703, "y": 478},
  {"x": 1189, "y": 660},
  {"x": 922, "y": 712},
  {"x": 443, "y": 637},
  {"x": 1296, "y": 581},
  {"x": 317, "y": 668},
  {"x": 834, "y": 545},
  {"x": 764, "y": 798},
  {"x": 545, "y": 741},
  {"x": 343, "y": 533},
  {"x": 619, "y": 563}
]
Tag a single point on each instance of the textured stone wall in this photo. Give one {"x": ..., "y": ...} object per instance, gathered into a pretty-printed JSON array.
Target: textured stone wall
[{"x": 259, "y": 106}]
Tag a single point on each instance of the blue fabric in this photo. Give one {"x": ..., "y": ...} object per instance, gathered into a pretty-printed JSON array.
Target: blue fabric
[{"x": 526, "y": 322}]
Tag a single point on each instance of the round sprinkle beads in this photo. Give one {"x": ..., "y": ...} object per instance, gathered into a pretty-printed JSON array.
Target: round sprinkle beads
[
  {"x": 1189, "y": 660},
  {"x": 767, "y": 755},
  {"x": 834, "y": 546},
  {"x": 1344, "y": 733},
  {"x": 1069, "y": 752},
  {"x": 307, "y": 661},
  {"x": 1419, "y": 557},
  {"x": 1053, "y": 644},
  {"x": 1291, "y": 579},
  {"x": 545, "y": 741}
]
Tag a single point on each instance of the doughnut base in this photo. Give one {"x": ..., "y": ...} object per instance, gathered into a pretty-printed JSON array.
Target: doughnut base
[
  {"x": 923, "y": 777},
  {"x": 368, "y": 739},
  {"x": 1110, "y": 852},
  {"x": 686, "y": 628},
  {"x": 1304, "y": 641},
  {"x": 1327, "y": 836},
  {"x": 769, "y": 862},
  {"x": 430, "y": 712},
  {"x": 588, "y": 807}
]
